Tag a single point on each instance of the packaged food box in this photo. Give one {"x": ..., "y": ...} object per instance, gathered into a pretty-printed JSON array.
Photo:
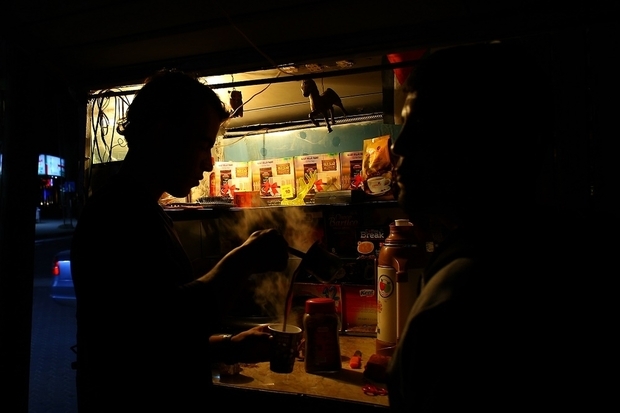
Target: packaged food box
[
  {"x": 274, "y": 178},
  {"x": 351, "y": 170},
  {"x": 341, "y": 231},
  {"x": 370, "y": 240},
  {"x": 231, "y": 177},
  {"x": 359, "y": 304},
  {"x": 377, "y": 169},
  {"x": 323, "y": 169}
]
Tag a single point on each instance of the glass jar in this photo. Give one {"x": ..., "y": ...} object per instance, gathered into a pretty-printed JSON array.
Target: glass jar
[{"x": 321, "y": 330}]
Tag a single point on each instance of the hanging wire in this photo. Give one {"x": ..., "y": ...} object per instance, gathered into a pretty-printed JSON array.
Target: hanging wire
[
  {"x": 239, "y": 139},
  {"x": 121, "y": 103},
  {"x": 103, "y": 138},
  {"x": 100, "y": 126},
  {"x": 232, "y": 115}
]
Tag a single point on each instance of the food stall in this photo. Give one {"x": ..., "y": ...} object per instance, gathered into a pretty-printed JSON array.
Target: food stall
[
  {"x": 355, "y": 294},
  {"x": 575, "y": 41}
]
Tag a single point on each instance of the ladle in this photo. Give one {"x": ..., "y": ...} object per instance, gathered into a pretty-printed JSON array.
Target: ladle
[{"x": 317, "y": 261}]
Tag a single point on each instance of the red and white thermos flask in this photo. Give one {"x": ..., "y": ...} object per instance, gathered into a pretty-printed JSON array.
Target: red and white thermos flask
[{"x": 399, "y": 281}]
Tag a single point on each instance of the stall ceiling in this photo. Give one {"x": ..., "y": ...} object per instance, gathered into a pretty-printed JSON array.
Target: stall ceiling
[
  {"x": 116, "y": 41},
  {"x": 98, "y": 45}
]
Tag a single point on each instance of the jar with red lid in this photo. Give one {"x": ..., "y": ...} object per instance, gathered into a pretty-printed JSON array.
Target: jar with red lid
[{"x": 321, "y": 330}]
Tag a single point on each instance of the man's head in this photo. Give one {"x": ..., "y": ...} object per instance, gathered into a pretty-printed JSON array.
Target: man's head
[
  {"x": 172, "y": 124},
  {"x": 472, "y": 141}
]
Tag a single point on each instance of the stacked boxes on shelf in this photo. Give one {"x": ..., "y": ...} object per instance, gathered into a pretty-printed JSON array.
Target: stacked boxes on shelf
[
  {"x": 351, "y": 167},
  {"x": 323, "y": 170},
  {"x": 274, "y": 178},
  {"x": 231, "y": 177}
]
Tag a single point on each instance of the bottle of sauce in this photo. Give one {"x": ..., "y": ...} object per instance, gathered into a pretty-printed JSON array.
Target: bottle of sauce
[
  {"x": 321, "y": 328},
  {"x": 212, "y": 189},
  {"x": 399, "y": 280}
]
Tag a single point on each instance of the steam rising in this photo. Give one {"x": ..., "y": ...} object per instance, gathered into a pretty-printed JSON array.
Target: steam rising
[
  {"x": 298, "y": 227},
  {"x": 271, "y": 290}
]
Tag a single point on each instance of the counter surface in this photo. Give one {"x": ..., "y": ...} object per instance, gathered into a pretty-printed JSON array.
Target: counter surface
[{"x": 345, "y": 386}]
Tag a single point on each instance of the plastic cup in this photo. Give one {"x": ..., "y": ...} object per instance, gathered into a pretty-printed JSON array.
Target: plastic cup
[{"x": 283, "y": 347}]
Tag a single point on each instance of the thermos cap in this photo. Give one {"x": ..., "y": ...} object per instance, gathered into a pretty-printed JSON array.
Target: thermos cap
[{"x": 320, "y": 305}]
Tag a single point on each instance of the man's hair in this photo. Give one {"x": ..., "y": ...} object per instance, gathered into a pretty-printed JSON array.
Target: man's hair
[
  {"x": 480, "y": 83},
  {"x": 488, "y": 104},
  {"x": 171, "y": 95}
]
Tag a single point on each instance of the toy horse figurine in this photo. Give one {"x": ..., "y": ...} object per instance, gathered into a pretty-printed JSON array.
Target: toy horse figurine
[{"x": 321, "y": 103}]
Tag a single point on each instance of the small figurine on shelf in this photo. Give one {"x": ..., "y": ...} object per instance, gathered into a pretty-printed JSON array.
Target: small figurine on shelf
[{"x": 321, "y": 103}]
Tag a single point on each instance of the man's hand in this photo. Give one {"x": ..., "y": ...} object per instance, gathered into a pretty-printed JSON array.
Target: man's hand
[{"x": 252, "y": 346}]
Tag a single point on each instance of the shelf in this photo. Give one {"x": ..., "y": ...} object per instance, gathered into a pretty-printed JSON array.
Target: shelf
[{"x": 188, "y": 214}]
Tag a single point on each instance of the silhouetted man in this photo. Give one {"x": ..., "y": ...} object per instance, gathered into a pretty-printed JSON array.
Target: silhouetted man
[
  {"x": 495, "y": 326},
  {"x": 145, "y": 322}
]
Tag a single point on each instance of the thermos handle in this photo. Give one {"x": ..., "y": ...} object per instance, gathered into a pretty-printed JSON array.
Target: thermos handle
[{"x": 400, "y": 264}]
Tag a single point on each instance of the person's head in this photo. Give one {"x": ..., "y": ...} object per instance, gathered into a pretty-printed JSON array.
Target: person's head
[
  {"x": 172, "y": 124},
  {"x": 473, "y": 140}
]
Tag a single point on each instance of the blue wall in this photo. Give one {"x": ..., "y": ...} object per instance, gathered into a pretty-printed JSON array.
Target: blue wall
[{"x": 308, "y": 141}]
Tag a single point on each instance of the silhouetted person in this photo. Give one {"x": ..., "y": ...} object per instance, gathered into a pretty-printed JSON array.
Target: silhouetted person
[
  {"x": 499, "y": 325},
  {"x": 144, "y": 321}
]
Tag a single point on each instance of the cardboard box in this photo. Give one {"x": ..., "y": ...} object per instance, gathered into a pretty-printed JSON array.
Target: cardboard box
[
  {"x": 341, "y": 231},
  {"x": 359, "y": 309},
  {"x": 361, "y": 271},
  {"x": 274, "y": 178},
  {"x": 351, "y": 170},
  {"x": 370, "y": 240},
  {"x": 231, "y": 177},
  {"x": 327, "y": 169}
]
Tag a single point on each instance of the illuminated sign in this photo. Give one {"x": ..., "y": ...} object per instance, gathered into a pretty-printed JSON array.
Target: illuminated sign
[
  {"x": 41, "y": 167},
  {"x": 54, "y": 166},
  {"x": 48, "y": 165},
  {"x": 51, "y": 165}
]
